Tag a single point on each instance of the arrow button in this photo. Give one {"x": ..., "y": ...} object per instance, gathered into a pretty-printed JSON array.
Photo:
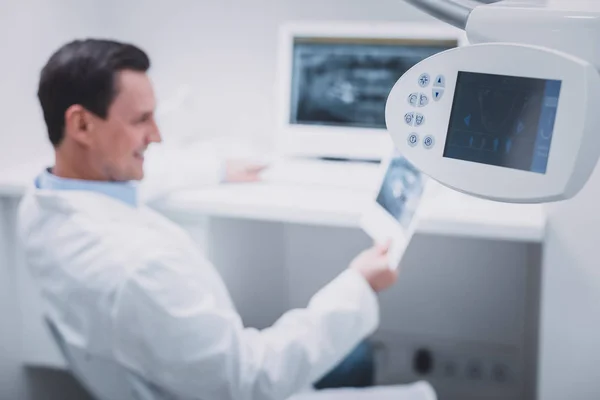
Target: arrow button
[
  {"x": 468, "y": 120},
  {"x": 440, "y": 81}
]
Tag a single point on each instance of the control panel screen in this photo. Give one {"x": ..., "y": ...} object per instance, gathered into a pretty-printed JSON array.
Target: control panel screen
[
  {"x": 345, "y": 81},
  {"x": 504, "y": 121}
]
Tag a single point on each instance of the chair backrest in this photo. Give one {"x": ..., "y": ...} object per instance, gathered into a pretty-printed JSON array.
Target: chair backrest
[{"x": 104, "y": 379}]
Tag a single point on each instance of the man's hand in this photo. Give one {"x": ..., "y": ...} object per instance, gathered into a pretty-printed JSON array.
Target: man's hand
[
  {"x": 242, "y": 171},
  {"x": 373, "y": 265}
]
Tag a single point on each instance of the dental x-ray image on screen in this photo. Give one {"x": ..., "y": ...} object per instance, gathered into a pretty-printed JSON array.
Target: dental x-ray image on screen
[
  {"x": 345, "y": 82},
  {"x": 401, "y": 190}
]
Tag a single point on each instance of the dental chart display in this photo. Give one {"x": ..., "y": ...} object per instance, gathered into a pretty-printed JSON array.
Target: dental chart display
[
  {"x": 503, "y": 121},
  {"x": 345, "y": 82}
]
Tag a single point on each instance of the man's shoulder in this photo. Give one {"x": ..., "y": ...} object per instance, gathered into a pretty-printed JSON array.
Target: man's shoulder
[
  {"x": 56, "y": 219},
  {"x": 80, "y": 241}
]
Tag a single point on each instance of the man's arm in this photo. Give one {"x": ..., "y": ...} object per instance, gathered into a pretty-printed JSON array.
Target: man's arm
[
  {"x": 171, "y": 328},
  {"x": 173, "y": 168}
]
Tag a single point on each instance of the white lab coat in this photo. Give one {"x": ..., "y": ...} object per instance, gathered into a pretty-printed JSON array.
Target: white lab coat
[{"x": 126, "y": 284}]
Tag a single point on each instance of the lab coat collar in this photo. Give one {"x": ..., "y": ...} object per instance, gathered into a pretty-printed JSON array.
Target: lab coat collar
[{"x": 123, "y": 191}]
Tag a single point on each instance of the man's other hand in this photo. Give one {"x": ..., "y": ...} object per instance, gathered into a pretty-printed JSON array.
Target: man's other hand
[
  {"x": 373, "y": 265},
  {"x": 238, "y": 170}
]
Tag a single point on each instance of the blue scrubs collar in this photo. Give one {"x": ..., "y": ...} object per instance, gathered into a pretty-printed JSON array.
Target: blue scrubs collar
[{"x": 123, "y": 191}]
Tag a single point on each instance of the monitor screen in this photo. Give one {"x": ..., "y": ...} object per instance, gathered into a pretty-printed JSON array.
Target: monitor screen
[
  {"x": 346, "y": 81},
  {"x": 504, "y": 121}
]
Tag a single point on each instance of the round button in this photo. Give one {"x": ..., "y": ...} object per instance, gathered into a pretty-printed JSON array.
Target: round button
[
  {"x": 450, "y": 369},
  {"x": 423, "y": 362},
  {"x": 423, "y": 100},
  {"x": 424, "y": 80},
  {"x": 413, "y": 99},
  {"x": 419, "y": 119},
  {"x": 500, "y": 373},
  {"x": 409, "y": 118},
  {"x": 474, "y": 370},
  {"x": 428, "y": 142},
  {"x": 413, "y": 139}
]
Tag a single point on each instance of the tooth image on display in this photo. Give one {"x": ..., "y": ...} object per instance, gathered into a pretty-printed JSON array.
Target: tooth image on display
[{"x": 401, "y": 190}]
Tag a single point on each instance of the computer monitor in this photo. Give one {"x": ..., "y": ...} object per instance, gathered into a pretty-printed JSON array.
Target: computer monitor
[{"x": 334, "y": 79}]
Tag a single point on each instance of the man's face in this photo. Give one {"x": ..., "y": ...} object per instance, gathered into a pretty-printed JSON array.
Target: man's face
[{"x": 117, "y": 143}]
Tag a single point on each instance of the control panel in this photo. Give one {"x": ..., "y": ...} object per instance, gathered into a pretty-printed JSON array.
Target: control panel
[
  {"x": 420, "y": 102},
  {"x": 500, "y": 121}
]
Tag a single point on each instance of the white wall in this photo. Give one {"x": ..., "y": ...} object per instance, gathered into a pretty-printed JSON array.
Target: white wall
[
  {"x": 570, "y": 320},
  {"x": 30, "y": 30},
  {"x": 226, "y": 50}
]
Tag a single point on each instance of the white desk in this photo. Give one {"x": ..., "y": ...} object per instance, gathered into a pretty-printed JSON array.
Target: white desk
[
  {"x": 272, "y": 225},
  {"x": 447, "y": 213}
]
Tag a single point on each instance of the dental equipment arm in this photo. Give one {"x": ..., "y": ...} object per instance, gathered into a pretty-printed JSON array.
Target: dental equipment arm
[{"x": 455, "y": 13}]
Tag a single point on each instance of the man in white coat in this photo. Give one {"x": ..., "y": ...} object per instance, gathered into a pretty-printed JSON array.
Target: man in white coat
[{"x": 125, "y": 284}]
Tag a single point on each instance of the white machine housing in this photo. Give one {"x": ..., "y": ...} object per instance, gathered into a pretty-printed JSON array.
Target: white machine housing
[
  {"x": 345, "y": 142},
  {"x": 574, "y": 146},
  {"x": 548, "y": 39}
]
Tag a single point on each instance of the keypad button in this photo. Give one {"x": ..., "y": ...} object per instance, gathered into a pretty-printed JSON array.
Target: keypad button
[
  {"x": 409, "y": 118},
  {"x": 413, "y": 99},
  {"x": 423, "y": 100},
  {"x": 440, "y": 81},
  {"x": 428, "y": 142},
  {"x": 424, "y": 80},
  {"x": 413, "y": 139},
  {"x": 419, "y": 119},
  {"x": 437, "y": 94}
]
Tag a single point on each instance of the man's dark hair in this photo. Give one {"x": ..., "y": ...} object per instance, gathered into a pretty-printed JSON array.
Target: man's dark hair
[{"x": 84, "y": 72}]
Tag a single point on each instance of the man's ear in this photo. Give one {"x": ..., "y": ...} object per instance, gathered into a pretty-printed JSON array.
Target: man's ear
[{"x": 78, "y": 124}]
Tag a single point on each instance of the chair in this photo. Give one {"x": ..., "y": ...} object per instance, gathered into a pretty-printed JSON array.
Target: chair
[{"x": 104, "y": 379}]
